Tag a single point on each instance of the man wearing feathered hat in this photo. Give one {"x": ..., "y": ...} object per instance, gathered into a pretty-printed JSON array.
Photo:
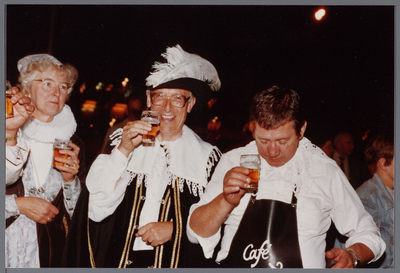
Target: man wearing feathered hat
[{"x": 139, "y": 197}]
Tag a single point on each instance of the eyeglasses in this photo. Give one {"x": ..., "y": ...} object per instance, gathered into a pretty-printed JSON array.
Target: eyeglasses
[
  {"x": 50, "y": 85},
  {"x": 177, "y": 100}
]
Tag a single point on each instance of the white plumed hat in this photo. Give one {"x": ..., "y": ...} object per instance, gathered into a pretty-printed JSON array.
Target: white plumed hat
[{"x": 184, "y": 70}]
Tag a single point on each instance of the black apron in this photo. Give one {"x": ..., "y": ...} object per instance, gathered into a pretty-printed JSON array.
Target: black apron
[{"x": 267, "y": 237}]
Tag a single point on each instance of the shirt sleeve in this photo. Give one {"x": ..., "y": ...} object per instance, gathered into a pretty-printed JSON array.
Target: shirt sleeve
[
  {"x": 213, "y": 189},
  {"x": 352, "y": 220},
  {"x": 11, "y": 206},
  {"x": 16, "y": 156},
  {"x": 106, "y": 182}
]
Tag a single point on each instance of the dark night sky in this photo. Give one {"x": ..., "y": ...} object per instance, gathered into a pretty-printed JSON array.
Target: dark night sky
[{"x": 342, "y": 67}]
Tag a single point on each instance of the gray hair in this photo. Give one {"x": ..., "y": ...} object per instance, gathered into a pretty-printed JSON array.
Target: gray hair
[{"x": 31, "y": 65}]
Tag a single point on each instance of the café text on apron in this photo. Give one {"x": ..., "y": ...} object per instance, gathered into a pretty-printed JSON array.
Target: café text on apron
[{"x": 267, "y": 236}]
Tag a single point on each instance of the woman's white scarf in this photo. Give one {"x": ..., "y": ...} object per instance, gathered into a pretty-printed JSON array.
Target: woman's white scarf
[{"x": 63, "y": 126}]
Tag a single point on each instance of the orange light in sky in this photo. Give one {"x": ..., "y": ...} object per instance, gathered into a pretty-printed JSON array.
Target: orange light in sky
[{"x": 320, "y": 14}]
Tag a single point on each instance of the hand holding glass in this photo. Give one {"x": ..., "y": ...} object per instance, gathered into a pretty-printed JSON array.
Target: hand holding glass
[
  {"x": 253, "y": 163},
  {"x": 154, "y": 118},
  {"x": 58, "y": 145},
  {"x": 9, "y": 105}
]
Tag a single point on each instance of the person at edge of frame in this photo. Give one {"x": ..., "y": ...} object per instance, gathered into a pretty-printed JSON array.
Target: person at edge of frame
[
  {"x": 377, "y": 193},
  {"x": 41, "y": 197}
]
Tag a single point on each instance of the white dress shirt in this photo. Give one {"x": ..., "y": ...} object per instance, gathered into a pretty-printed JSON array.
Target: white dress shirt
[
  {"x": 323, "y": 193},
  {"x": 346, "y": 169}
]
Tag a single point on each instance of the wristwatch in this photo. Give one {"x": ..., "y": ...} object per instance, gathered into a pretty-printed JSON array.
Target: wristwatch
[{"x": 356, "y": 259}]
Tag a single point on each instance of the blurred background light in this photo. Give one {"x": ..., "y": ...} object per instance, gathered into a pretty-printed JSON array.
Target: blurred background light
[{"x": 320, "y": 14}]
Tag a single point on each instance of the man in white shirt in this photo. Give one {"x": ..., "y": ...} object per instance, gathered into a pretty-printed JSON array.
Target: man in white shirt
[
  {"x": 139, "y": 196},
  {"x": 301, "y": 191},
  {"x": 343, "y": 144}
]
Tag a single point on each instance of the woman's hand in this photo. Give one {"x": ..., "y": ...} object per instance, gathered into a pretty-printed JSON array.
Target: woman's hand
[
  {"x": 37, "y": 209},
  {"x": 71, "y": 168},
  {"x": 22, "y": 110}
]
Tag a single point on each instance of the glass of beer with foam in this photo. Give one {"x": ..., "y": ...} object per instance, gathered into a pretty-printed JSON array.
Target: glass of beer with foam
[
  {"x": 153, "y": 117},
  {"x": 60, "y": 144},
  {"x": 253, "y": 163}
]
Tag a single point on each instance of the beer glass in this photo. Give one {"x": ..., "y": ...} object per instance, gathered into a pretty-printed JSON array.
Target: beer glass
[
  {"x": 60, "y": 144},
  {"x": 9, "y": 105},
  {"x": 154, "y": 118},
  {"x": 253, "y": 163}
]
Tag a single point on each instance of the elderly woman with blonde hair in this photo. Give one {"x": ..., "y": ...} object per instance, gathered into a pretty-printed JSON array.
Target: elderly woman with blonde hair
[{"x": 40, "y": 198}]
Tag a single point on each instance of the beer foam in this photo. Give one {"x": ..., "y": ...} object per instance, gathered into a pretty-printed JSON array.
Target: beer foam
[
  {"x": 62, "y": 146},
  {"x": 151, "y": 120},
  {"x": 250, "y": 165}
]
